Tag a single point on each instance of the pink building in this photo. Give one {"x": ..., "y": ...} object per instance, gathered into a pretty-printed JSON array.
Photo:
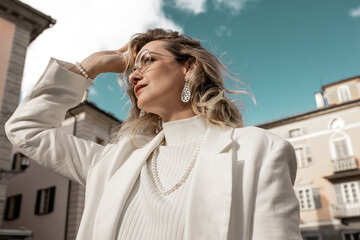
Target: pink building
[{"x": 19, "y": 26}]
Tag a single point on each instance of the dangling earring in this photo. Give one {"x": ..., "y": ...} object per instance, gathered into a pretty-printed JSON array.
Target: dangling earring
[{"x": 185, "y": 95}]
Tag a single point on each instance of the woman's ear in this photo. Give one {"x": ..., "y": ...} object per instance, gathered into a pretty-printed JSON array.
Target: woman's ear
[{"x": 189, "y": 64}]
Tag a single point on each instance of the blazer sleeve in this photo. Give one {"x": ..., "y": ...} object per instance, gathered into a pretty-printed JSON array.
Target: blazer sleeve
[
  {"x": 34, "y": 127},
  {"x": 277, "y": 213}
]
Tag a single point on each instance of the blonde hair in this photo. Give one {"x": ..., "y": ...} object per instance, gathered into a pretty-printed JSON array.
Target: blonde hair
[{"x": 206, "y": 83}]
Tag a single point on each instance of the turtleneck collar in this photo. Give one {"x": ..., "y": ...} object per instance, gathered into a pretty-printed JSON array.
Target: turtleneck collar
[{"x": 184, "y": 130}]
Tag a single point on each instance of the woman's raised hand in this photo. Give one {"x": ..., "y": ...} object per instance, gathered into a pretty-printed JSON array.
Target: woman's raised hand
[{"x": 104, "y": 61}]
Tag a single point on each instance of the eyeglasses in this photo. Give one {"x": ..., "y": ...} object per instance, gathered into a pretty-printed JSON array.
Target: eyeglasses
[{"x": 143, "y": 60}]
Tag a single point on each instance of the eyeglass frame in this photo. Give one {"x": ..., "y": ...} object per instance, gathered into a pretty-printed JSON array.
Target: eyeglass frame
[{"x": 149, "y": 52}]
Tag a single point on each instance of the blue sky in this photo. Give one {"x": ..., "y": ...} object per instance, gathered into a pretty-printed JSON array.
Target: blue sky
[{"x": 284, "y": 50}]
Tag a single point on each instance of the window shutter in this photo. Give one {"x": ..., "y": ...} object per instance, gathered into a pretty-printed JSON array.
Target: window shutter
[
  {"x": 14, "y": 161},
  {"x": 38, "y": 201},
  {"x": 317, "y": 199},
  {"x": 7, "y": 208},
  {"x": 12, "y": 209},
  {"x": 308, "y": 154},
  {"x": 17, "y": 206},
  {"x": 52, "y": 199}
]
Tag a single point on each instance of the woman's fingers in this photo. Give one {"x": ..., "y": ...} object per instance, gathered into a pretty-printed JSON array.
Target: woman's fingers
[{"x": 106, "y": 61}]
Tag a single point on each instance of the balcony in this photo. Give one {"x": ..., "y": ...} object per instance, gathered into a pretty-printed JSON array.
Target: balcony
[
  {"x": 347, "y": 210},
  {"x": 344, "y": 164}
]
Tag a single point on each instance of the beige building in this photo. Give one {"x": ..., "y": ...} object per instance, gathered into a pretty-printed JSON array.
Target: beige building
[
  {"x": 50, "y": 205},
  {"x": 327, "y": 147}
]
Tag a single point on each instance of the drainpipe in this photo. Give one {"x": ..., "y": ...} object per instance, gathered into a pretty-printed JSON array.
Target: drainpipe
[{"x": 69, "y": 185}]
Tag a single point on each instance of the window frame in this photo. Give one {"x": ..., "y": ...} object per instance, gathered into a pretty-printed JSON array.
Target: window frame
[
  {"x": 16, "y": 208},
  {"x": 312, "y": 200},
  {"x": 342, "y": 188},
  {"x": 349, "y": 232},
  {"x": 318, "y": 235},
  {"x": 346, "y": 149},
  {"x": 337, "y": 137},
  {"x": 17, "y": 161},
  {"x": 307, "y": 155},
  {"x": 299, "y": 132},
  {"x": 344, "y": 91},
  {"x": 45, "y": 204}
]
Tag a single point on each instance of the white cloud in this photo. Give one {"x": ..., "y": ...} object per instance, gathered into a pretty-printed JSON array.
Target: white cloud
[
  {"x": 194, "y": 6},
  {"x": 223, "y": 31},
  {"x": 234, "y": 6},
  {"x": 110, "y": 88},
  {"x": 86, "y": 26},
  {"x": 355, "y": 12},
  {"x": 93, "y": 92}
]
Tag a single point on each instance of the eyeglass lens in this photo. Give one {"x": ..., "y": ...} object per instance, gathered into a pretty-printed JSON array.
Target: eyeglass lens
[{"x": 143, "y": 60}]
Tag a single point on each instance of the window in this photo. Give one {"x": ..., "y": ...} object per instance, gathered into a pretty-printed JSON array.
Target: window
[
  {"x": 306, "y": 198},
  {"x": 303, "y": 156},
  {"x": 12, "y": 209},
  {"x": 352, "y": 236},
  {"x": 20, "y": 162},
  {"x": 350, "y": 192},
  {"x": 295, "y": 132},
  {"x": 16, "y": 164},
  {"x": 341, "y": 148},
  {"x": 314, "y": 237},
  {"x": 45, "y": 201},
  {"x": 100, "y": 141},
  {"x": 344, "y": 93}
]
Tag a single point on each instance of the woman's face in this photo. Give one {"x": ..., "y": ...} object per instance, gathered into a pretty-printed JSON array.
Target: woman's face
[{"x": 158, "y": 89}]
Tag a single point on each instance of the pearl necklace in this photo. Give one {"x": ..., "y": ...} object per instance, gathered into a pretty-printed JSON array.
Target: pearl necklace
[{"x": 183, "y": 177}]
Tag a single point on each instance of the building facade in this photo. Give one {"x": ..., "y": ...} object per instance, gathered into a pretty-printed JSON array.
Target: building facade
[
  {"x": 19, "y": 26},
  {"x": 44, "y": 202},
  {"x": 327, "y": 147}
]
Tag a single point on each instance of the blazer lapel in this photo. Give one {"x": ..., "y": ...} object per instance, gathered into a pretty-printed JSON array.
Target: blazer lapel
[
  {"x": 208, "y": 214},
  {"x": 118, "y": 189}
]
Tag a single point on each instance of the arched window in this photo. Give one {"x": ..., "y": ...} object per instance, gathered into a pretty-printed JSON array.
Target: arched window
[{"x": 340, "y": 146}]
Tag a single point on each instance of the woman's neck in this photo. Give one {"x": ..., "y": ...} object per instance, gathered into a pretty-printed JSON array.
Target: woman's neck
[{"x": 178, "y": 115}]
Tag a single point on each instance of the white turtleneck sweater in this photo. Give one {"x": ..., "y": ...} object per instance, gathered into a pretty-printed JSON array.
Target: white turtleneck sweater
[{"x": 147, "y": 213}]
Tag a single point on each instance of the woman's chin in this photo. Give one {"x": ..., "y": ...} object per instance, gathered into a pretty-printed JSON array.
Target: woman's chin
[{"x": 142, "y": 105}]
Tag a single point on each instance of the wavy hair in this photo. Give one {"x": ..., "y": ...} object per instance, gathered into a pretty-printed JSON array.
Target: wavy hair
[{"x": 206, "y": 83}]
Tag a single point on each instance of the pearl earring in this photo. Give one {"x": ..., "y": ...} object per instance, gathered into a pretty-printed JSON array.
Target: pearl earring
[{"x": 185, "y": 95}]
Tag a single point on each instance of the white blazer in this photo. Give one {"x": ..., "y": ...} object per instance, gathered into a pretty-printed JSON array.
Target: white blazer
[{"x": 242, "y": 184}]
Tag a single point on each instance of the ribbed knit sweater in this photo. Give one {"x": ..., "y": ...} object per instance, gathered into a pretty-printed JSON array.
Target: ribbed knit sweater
[{"x": 147, "y": 213}]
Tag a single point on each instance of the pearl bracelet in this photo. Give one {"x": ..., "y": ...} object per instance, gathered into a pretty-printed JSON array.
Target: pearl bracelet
[{"x": 82, "y": 70}]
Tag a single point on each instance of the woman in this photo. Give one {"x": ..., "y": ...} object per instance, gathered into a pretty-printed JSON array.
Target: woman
[{"x": 182, "y": 165}]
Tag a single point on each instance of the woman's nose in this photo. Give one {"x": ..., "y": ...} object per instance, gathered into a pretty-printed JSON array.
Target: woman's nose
[{"x": 135, "y": 76}]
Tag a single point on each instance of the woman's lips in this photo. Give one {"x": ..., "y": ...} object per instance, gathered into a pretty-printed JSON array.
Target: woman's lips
[{"x": 138, "y": 88}]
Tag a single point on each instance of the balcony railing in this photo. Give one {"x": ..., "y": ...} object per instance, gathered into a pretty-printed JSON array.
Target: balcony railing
[
  {"x": 345, "y": 163},
  {"x": 346, "y": 210}
]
